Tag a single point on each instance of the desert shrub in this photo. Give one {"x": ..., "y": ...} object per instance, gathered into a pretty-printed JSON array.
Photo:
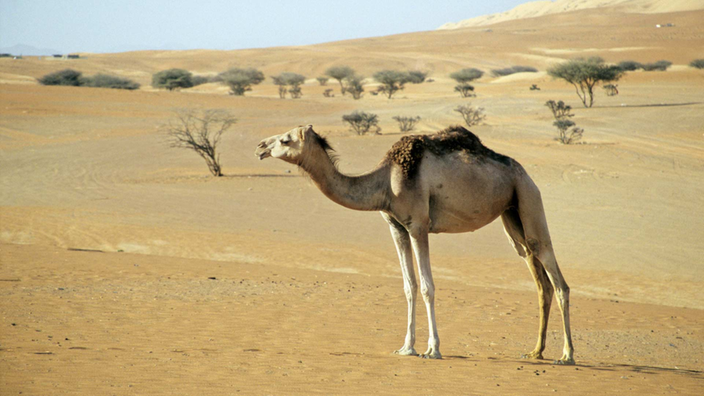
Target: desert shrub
[
  {"x": 323, "y": 80},
  {"x": 241, "y": 80},
  {"x": 200, "y": 131},
  {"x": 362, "y": 123},
  {"x": 416, "y": 76},
  {"x": 406, "y": 124},
  {"x": 172, "y": 79},
  {"x": 466, "y": 90},
  {"x": 660, "y": 65},
  {"x": 471, "y": 115},
  {"x": 107, "y": 81},
  {"x": 512, "y": 70},
  {"x": 200, "y": 80},
  {"x": 562, "y": 112},
  {"x": 534, "y": 87},
  {"x": 68, "y": 77},
  {"x": 354, "y": 85},
  {"x": 466, "y": 75},
  {"x": 584, "y": 74},
  {"x": 697, "y": 63},
  {"x": 340, "y": 73},
  {"x": 611, "y": 89},
  {"x": 629, "y": 65}
]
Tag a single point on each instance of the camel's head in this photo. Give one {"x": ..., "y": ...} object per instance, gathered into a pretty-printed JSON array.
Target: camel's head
[{"x": 288, "y": 146}]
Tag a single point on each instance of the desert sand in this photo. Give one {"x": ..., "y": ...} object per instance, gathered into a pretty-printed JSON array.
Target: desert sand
[{"x": 125, "y": 268}]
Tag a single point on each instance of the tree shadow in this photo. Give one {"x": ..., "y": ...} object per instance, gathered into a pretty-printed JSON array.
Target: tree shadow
[{"x": 650, "y": 105}]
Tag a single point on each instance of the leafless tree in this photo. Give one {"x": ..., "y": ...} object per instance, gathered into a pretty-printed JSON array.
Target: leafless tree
[
  {"x": 471, "y": 115},
  {"x": 200, "y": 131}
]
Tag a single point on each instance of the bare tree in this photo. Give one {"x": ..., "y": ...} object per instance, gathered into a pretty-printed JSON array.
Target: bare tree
[
  {"x": 200, "y": 131},
  {"x": 471, "y": 115}
]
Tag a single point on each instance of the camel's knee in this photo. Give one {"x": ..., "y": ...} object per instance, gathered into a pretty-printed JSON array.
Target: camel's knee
[
  {"x": 411, "y": 290},
  {"x": 428, "y": 292}
]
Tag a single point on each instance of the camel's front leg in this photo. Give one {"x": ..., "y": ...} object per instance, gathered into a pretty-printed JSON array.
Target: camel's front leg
[
  {"x": 410, "y": 287},
  {"x": 419, "y": 239}
]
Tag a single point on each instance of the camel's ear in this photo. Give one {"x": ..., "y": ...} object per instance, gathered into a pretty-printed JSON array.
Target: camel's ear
[{"x": 303, "y": 131}]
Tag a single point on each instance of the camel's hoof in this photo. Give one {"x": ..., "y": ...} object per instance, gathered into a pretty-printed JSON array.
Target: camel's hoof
[
  {"x": 406, "y": 352},
  {"x": 532, "y": 355},
  {"x": 431, "y": 354},
  {"x": 565, "y": 361}
]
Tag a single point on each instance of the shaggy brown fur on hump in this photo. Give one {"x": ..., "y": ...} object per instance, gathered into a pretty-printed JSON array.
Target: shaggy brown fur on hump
[{"x": 408, "y": 152}]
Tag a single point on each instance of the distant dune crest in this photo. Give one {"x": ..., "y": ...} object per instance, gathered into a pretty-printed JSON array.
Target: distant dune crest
[{"x": 539, "y": 8}]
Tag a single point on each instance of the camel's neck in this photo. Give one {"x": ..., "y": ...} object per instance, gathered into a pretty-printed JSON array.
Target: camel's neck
[{"x": 364, "y": 192}]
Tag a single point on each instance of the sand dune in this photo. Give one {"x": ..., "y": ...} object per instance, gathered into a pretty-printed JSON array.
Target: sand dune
[
  {"x": 541, "y": 8},
  {"x": 121, "y": 259}
]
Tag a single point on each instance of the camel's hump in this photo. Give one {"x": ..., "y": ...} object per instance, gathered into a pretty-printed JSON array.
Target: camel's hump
[{"x": 408, "y": 152}]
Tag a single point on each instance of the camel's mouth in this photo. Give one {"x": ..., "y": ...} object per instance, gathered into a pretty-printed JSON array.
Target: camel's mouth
[{"x": 262, "y": 151}]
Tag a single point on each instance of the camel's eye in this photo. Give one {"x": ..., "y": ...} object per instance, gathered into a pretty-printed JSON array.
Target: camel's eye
[{"x": 285, "y": 141}]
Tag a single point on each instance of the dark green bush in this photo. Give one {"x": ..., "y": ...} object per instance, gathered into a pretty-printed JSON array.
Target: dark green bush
[
  {"x": 200, "y": 80},
  {"x": 416, "y": 76},
  {"x": 107, "y": 81},
  {"x": 697, "y": 63},
  {"x": 172, "y": 79},
  {"x": 629, "y": 65},
  {"x": 512, "y": 70},
  {"x": 466, "y": 75},
  {"x": 67, "y": 77},
  {"x": 660, "y": 65}
]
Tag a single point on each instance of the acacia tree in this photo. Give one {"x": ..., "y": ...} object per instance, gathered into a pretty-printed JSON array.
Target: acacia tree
[
  {"x": 200, "y": 131},
  {"x": 391, "y": 81},
  {"x": 584, "y": 74},
  {"x": 240, "y": 80},
  {"x": 172, "y": 79},
  {"x": 340, "y": 73},
  {"x": 293, "y": 80}
]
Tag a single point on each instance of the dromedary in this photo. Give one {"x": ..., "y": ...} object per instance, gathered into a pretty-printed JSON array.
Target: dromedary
[{"x": 447, "y": 182}]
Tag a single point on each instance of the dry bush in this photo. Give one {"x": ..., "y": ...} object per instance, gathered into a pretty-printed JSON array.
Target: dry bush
[
  {"x": 406, "y": 124},
  {"x": 200, "y": 131},
  {"x": 471, "y": 115}
]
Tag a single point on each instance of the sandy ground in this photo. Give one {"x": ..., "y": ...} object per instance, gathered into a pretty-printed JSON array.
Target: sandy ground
[{"x": 110, "y": 238}]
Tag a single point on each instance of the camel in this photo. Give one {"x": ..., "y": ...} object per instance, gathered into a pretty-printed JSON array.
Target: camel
[{"x": 443, "y": 183}]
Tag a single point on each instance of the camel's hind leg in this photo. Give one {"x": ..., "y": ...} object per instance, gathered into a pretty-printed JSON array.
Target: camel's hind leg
[
  {"x": 539, "y": 245},
  {"x": 514, "y": 231}
]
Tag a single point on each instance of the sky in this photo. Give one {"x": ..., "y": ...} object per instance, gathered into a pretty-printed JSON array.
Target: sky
[{"x": 126, "y": 25}]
